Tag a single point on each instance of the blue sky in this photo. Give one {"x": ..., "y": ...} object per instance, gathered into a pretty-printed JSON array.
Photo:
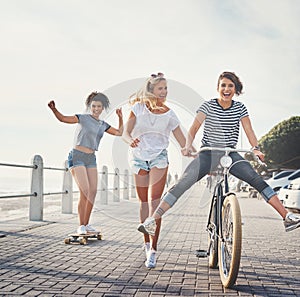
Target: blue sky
[{"x": 65, "y": 49}]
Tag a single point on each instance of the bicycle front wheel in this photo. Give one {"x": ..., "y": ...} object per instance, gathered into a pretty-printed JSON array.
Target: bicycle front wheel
[{"x": 231, "y": 244}]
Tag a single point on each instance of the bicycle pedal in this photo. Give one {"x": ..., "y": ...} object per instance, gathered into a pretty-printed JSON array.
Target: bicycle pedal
[{"x": 201, "y": 253}]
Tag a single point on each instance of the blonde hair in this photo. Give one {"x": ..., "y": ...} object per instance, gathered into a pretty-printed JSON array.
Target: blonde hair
[{"x": 145, "y": 94}]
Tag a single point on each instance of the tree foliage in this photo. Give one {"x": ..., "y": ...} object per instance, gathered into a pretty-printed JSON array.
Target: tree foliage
[{"x": 281, "y": 144}]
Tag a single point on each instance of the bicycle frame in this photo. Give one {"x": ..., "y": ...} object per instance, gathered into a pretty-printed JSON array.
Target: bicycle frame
[
  {"x": 224, "y": 223},
  {"x": 221, "y": 190}
]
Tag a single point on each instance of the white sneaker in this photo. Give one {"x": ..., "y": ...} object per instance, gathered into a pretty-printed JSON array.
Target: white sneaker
[
  {"x": 291, "y": 221},
  {"x": 146, "y": 247},
  {"x": 151, "y": 259},
  {"x": 89, "y": 228},
  {"x": 81, "y": 230},
  {"x": 148, "y": 227}
]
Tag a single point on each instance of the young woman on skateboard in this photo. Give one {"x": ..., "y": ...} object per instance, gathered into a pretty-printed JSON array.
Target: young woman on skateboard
[{"x": 82, "y": 158}]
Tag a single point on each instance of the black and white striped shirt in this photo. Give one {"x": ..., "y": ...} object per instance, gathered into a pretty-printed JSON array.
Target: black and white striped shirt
[{"x": 221, "y": 126}]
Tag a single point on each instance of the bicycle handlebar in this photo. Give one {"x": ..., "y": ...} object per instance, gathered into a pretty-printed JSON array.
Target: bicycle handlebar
[
  {"x": 230, "y": 150},
  {"x": 224, "y": 149}
]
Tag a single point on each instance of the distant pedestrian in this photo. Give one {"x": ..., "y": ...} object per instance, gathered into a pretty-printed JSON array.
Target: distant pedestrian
[
  {"x": 82, "y": 158},
  {"x": 176, "y": 177},
  {"x": 169, "y": 179},
  {"x": 239, "y": 185},
  {"x": 208, "y": 181}
]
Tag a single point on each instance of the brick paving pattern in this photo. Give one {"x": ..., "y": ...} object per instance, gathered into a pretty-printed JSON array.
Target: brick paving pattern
[{"x": 35, "y": 261}]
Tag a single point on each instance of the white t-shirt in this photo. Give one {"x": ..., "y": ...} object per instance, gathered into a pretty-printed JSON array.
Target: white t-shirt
[{"x": 153, "y": 131}]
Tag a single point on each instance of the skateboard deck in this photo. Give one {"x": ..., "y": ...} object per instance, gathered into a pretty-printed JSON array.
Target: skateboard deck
[{"x": 82, "y": 238}]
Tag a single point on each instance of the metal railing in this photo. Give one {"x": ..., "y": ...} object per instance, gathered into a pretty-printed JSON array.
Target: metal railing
[{"x": 37, "y": 194}]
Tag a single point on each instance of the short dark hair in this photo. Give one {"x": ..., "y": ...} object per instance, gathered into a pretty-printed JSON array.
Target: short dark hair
[{"x": 234, "y": 78}]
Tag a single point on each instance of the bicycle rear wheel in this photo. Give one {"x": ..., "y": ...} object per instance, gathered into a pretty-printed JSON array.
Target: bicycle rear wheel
[
  {"x": 231, "y": 245},
  {"x": 213, "y": 239}
]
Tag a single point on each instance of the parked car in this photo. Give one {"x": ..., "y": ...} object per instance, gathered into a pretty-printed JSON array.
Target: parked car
[
  {"x": 282, "y": 179},
  {"x": 290, "y": 195}
]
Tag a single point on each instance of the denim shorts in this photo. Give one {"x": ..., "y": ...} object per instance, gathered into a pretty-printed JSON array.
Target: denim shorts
[
  {"x": 78, "y": 158},
  {"x": 161, "y": 161}
]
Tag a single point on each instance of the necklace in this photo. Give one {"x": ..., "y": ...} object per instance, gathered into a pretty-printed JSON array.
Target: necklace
[
  {"x": 152, "y": 118},
  {"x": 153, "y": 115}
]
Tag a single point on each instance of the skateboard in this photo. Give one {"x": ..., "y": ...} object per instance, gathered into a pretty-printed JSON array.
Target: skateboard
[{"x": 82, "y": 238}]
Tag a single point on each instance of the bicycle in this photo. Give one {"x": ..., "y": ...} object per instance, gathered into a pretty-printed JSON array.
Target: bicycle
[{"x": 224, "y": 225}]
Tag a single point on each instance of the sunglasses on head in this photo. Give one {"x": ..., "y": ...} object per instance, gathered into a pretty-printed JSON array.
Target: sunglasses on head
[{"x": 159, "y": 74}]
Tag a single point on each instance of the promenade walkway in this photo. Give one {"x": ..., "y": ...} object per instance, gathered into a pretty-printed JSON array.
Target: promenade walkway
[{"x": 35, "y": 261}]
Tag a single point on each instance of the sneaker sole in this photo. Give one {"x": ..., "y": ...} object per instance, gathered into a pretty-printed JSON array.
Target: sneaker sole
[
  {"x": 292, "y": 227},
  {"x": 149, "y": 266},
  {"x": 142, "y": 229}
]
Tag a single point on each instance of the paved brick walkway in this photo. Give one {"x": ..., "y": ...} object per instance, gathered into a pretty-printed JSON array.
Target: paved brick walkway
[{"x": 36, "y": 262}]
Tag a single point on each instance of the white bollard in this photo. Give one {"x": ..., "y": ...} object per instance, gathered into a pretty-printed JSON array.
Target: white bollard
[
  {"x": 132, "y": 187},
  {"x": 37, "y": 201},
  {"x": 116, "y": 191},
  {"x": 104, "y": 186},
  {"x": 126, "y": 185},
  {"x": 67, "y": 198}
]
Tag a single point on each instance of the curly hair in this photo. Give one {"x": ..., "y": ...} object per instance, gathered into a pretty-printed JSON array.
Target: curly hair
[{"x": 96, "y": 96}]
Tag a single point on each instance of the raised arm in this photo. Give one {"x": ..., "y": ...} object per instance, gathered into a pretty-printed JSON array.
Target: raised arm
[
  {"x": 199, "y": 119},
  {"x": 60, "y": 116},
  {"x": 119, "y": 131}
]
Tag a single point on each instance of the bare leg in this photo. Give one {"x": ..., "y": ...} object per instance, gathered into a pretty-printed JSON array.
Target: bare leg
[
  {"x": 80, "y": 176},
  {"x": 157, "y": 184},
  {"x": 277, "y": 205},
  {"x": 142, "y": 185},
  {"x": 86, "y": 180},
  {"x": 93, "y": 180}
]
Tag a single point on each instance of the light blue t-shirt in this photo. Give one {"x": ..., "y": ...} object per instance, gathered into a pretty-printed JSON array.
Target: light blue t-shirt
[{"x": 89, "y": 131}]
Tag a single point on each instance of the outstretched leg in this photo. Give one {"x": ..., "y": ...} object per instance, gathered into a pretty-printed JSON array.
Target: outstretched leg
[{"x": 244, "y": 171}]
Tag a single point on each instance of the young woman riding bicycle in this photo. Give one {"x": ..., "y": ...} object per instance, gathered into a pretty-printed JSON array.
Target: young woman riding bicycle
[{"x": 221, "y": 117}]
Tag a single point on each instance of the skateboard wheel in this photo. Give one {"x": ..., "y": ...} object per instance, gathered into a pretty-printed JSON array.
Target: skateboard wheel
[
  {"x": 67, "y": 240},
  {"x": 82, "y": 241},
  {"x": 99, "y": 237}
]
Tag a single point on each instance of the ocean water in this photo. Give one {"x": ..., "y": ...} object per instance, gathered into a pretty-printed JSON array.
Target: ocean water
[
  {"x": 17, "y": 181},
  {"x": 17, "y": 208},
  {"x": 21, "y": 184}
]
